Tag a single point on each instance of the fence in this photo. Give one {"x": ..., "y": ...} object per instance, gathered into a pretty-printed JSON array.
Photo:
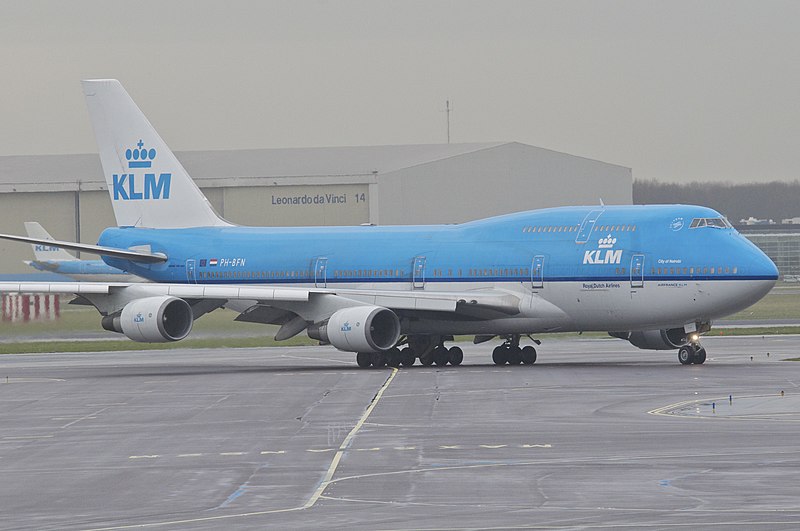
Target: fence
[{"x": 24, "y": 308}]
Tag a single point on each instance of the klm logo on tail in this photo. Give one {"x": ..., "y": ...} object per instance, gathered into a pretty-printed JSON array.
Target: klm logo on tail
[{"x": 132, "y": 187}]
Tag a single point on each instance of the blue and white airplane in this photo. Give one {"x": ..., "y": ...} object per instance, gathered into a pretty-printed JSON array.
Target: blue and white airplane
[
  {"x": 656, "y": 276},
  {"x": 56, "y": 260}
]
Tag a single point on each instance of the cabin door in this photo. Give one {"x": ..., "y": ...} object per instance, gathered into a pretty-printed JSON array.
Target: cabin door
[
  {"x": 637, "y": 271},
  {"x": 191, "y": 273},
  {"x": 321, "y": 273},
  {"x": 537, "y": 272},
  {"x": 418, "y": 273}
]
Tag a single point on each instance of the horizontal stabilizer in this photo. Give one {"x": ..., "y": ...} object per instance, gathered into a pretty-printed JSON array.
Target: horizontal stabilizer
[{"x": 133, "y": 256}]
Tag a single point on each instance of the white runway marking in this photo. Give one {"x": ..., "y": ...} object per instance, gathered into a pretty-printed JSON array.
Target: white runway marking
[
  {"x": 326, "y": 480},
  {"x": 86, "y": 417}
]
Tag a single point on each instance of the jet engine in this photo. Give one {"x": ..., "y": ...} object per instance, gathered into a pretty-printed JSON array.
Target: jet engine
[
  {"x": 665, "y": 339},
  {"x": 359, "y": 329},
  {"x": 153, "y": 320}
]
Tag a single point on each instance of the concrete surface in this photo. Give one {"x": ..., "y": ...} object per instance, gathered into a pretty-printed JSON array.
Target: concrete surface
[{"x": 597, "y": 434}]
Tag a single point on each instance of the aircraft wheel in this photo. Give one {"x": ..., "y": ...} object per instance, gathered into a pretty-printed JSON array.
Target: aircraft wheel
[
  {"x": 699, "y": 355},
  {"x": 456, "y": 355},
  {"x": 364, "y": 359},
  {"x": 408, "y": 356},
  {"x": 500, "y": 355},
  {"x": 440, "y": 357},
  {"x": 378, "y": 359},
  {"x": 686, "y": 355},
  {"x": 393, "y": 357},
  {"x": 426, "y": 359},
  {"x": 528, "y": 355},
  {"x": 514, "y": 355}
]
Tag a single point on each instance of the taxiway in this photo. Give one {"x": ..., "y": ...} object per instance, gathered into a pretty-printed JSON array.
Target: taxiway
[{"x": 596, "y": 434}]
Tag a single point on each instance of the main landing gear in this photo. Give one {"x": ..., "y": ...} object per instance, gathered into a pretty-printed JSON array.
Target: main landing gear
[
  {"x": 510, "y": 352},
  {"x": 693, "y": 353},
  {"x": 430, "y": 350},
  {"x": 427, "y": 352}
]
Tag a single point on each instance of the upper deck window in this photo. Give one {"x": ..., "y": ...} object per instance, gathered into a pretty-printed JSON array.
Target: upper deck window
[{"x": 717, "y": 223}]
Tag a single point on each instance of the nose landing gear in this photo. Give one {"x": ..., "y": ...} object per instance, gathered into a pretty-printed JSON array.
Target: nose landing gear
[{"x": 693, "y": 353}]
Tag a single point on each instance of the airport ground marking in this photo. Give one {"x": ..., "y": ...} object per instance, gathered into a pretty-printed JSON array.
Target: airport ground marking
[
  {"x": 326, "y": 450},
  {"x": 327, "y": 479},
  {"x": 347, "y": 440},
  {"x": 670, "y": 410},
  {"x": 32, "y": 380},
  {"x": 86, "y": 417}
]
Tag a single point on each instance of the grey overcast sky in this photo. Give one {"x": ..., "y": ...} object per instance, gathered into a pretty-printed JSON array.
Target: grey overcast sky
[{"x": 676, "y": 90}]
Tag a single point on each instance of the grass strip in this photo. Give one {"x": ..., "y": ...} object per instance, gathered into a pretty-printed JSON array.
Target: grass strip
[{"x": 35, "y": 347}]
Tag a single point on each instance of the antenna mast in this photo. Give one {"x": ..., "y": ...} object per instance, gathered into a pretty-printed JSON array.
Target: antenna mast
[{"x": 447, "y": 110}]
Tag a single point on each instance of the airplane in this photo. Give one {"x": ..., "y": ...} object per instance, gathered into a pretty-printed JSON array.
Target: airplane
[
  {"x": 56, "y": 260},
  {"x": 656, "y": 275}
]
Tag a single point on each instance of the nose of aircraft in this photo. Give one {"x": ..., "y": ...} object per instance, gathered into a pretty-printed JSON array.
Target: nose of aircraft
[
  {"x": 760, "y": 266},
  {"x": 760, "y": 271}
]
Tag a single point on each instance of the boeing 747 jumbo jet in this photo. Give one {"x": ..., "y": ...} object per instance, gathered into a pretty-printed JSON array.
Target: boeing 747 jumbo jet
[
  {"x": 656, "y": 276},
  {"x": 57, "y": 260}
]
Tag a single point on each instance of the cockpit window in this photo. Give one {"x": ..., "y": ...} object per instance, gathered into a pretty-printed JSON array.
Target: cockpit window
[{"x": 717, "y": 223}]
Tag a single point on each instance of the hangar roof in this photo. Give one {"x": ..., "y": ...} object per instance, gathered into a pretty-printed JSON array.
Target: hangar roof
[{"x": 38, "y": 173}]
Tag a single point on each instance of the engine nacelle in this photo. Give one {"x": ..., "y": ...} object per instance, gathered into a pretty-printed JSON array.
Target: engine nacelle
[
  {"x": 667, "y": 339},
  {"x": 153, "y": 320},
  {"x": 359, "y": 329}
]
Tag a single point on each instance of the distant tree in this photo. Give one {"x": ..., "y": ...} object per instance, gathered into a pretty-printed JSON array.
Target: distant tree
[{"x": 773, "y": 200}]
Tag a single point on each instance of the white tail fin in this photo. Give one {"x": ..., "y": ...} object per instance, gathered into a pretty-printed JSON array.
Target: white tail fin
[
  {"x": 147, "y": 184},
  {"x": 43, "y": 253}
]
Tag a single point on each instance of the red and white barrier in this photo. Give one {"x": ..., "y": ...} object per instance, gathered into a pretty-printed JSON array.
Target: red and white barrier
[{"x": 24, "y": 308}]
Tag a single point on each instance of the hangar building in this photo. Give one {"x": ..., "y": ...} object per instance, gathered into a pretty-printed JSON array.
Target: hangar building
[{"x": 386, "y": 185}]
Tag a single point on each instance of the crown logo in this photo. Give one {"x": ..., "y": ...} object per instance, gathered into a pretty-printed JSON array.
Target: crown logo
[
  {"x": 140, "y": 157},
  {"x": 607, "y": 242}
]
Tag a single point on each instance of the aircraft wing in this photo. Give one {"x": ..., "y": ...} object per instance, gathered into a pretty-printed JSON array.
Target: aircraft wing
[{"x": 312, "y": 304}]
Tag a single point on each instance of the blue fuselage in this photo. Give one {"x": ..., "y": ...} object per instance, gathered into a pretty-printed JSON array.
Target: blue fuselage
[{"x": 616, "y": 244}]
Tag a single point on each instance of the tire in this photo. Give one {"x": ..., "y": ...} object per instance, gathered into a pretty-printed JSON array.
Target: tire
[
  {"x": 408, "y": 357},
  {"x": 528, "y": 355},
  {"x": 499, "y": 355},
  {"x": 686, "y": 355},
  {"x": 364, "y": 359},
  {"x": 456, "y": 356},
  {"x": 427, "y": 359},
  {"x": 514, "y": 355},
  {"x": 440, "y": 356},
  {"x": 700, "y": 356}
]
